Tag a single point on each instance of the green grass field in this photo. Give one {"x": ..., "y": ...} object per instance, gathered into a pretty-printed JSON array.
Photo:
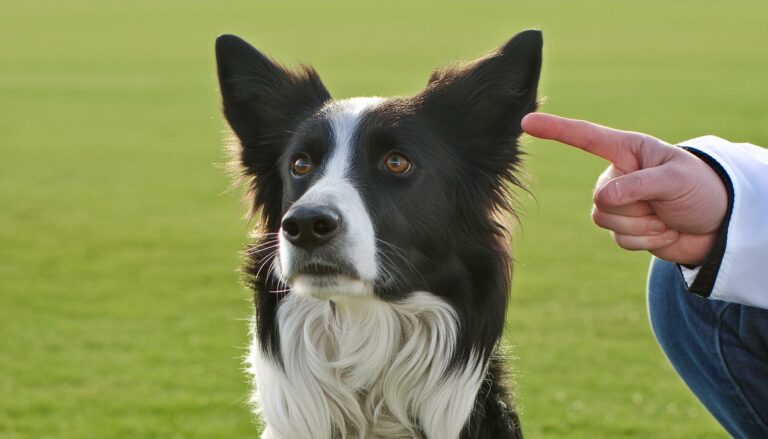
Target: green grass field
[{"x": 121, "y": 311}]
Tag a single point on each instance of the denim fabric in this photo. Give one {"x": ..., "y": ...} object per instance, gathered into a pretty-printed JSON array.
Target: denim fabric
[{"x": 720, "y": 349}]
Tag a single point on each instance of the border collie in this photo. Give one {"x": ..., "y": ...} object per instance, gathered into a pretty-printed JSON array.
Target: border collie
[{"x": 381, "y": 264}]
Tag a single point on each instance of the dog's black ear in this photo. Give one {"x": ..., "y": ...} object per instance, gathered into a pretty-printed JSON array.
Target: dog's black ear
[
  {"x": 263, "y": 103},
  {"x": 486, "y": 98}
]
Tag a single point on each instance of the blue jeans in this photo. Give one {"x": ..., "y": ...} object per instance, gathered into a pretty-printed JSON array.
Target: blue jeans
[{"x": 720, "y": 349}]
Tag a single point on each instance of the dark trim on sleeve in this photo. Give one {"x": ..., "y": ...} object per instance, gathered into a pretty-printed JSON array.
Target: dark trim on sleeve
[{"x": 705, "y": 280}]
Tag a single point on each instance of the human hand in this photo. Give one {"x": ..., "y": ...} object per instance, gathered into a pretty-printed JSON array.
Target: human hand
[{"x": 653, "y": 196}]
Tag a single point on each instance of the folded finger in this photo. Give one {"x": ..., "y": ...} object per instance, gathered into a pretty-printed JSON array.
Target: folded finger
[
  {"x": 640, "y": 208},
  {"x": 629, "y": 225},
  {"x": 650, "y": 242}
]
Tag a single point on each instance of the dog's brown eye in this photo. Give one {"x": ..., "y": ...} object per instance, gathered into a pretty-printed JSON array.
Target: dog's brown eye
[
  {"x": 302, "y": 165},
  {"x": 397, "y": 163}
]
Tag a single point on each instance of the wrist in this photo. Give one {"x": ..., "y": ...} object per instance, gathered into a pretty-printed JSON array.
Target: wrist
[{"x": 713, "y": 245}]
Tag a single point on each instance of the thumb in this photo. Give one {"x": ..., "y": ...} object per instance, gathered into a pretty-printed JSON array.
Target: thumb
[{"x": 644, "y": 185}]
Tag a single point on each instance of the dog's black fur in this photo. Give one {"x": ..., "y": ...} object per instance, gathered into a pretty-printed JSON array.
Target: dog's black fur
[{"x": 461, "y": 131}]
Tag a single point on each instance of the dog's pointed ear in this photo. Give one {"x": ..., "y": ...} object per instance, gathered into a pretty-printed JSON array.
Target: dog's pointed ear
[
  {"x": 488, "y": 97},
  {"x": 263, "y": 102},
  {"x": 258, "y": 93}
]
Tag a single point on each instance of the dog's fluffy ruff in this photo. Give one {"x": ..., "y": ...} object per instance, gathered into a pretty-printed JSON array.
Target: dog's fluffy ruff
[{"x": 364, "y": 368}]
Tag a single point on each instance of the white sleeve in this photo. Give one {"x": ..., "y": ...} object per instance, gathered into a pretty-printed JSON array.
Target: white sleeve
[{"x": 737, "y": 268}]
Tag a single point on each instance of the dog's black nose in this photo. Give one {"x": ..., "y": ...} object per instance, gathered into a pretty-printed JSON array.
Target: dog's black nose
[{"x": 310, "y": 227}]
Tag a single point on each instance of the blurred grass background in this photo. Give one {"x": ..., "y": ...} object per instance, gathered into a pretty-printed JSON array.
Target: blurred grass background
[{"x": 121, "y": 313}]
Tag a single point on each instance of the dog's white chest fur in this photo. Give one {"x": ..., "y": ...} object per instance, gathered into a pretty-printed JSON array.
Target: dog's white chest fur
[{"x": 364, "y": 368}]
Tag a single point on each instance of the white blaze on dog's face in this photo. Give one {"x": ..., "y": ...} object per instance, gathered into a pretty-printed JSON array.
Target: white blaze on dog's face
[{"x": 343, "y": 264}]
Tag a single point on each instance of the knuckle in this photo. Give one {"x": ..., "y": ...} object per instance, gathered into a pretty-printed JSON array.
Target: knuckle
[
  {"x": 609, "y": 194},
  {"x": 599, "y": 218},
  {"x": 602, "y": 220},
  {"x": 621, "y": 241},
  {"x": 646, "y": 139},
  {"x": 633, "y": 141},
  {"x": 598, "y": 195},
  {"x": 675, "y": 173},
  {"x": 627, "y": 242}
]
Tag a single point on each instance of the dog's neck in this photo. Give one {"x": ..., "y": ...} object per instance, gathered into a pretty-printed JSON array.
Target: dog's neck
[{"x": 365, "y": 368}]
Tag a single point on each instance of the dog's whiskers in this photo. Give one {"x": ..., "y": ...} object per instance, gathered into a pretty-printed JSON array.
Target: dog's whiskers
[{"x": 391, "y": 250}]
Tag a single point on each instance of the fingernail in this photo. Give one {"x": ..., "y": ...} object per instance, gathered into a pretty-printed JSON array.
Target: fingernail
[
  {"x": 618, "y": 190},
  {"x": 657, "y": 226}
]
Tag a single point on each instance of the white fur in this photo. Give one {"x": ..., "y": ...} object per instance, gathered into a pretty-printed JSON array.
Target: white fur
[
  {"x": 336, "y": 190},
  {"x": 364, "y": 368}
]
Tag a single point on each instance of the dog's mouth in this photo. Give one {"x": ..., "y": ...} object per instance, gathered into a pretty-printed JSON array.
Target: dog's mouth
[
  {"x": 327, "y": 280},
  {"x": 322, "y": 269}
]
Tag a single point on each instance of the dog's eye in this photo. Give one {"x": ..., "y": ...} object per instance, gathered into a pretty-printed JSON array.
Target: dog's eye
[
  {"x": 397, "y": 163},
  {"x": 302, "y": 165}
]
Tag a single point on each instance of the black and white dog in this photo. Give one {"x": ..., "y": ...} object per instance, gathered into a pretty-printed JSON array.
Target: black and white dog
[{"x": 381, "y": 270}]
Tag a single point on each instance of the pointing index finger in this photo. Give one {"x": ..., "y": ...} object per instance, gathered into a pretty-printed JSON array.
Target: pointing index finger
[{"x": 619, "y": 147}]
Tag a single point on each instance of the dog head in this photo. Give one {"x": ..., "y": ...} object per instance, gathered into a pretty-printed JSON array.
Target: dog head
[{"x": 372, "y": 197}]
